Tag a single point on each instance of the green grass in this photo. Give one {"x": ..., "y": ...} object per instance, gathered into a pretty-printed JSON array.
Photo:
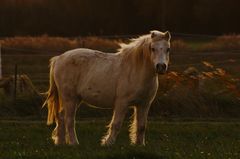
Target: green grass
[{"x": 165, "y": 140}]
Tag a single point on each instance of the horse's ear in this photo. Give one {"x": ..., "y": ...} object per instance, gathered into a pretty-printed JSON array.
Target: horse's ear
[
  {"x": 153, "y": 34},
  {"x": 167, "y": 35}
]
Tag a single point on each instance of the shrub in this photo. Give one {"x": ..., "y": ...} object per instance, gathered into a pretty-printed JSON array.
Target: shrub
[
  {"x": 46, "y": 44},
  {"x": 179, "y": 45},
  {"x": 223, "y": 43}
]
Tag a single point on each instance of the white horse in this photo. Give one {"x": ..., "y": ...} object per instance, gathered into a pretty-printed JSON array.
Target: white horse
[{"x": 120, "y": 80}]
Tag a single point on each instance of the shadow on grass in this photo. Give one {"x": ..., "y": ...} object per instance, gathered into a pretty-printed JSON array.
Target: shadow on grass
[{"x": 132, "y": 155}]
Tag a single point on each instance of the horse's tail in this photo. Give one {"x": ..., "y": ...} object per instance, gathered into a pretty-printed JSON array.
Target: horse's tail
[{"x": 54, "y": 106}]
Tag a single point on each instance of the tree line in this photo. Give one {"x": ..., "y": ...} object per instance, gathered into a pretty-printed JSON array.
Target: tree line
[{"x": 115, "y": 17}]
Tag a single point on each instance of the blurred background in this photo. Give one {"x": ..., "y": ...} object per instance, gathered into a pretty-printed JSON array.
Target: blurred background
[
  {"x": 117, "y": 17},
  {"x": 203, "y": 79},
  {"x": 196, "y": 111}
]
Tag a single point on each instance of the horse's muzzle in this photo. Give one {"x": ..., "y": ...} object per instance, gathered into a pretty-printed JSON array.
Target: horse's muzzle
[{"x": 161, "y": 68}]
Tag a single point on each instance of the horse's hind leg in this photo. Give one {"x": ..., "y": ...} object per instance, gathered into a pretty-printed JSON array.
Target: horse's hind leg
[
  {"x": 58, "y": 134},
  {"x": 70, "y": 107},
  {"x": 115, "y": 124},
  {"x": 138, "y": 127}
]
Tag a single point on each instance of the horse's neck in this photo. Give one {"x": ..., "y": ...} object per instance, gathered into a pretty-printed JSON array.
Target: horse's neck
[{"x": 139, "y": 63}]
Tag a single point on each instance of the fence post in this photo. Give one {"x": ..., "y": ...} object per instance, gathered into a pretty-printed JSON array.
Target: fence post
[
  {"x": 15, "y": 83},
  {"x": 0, "y": 61}
]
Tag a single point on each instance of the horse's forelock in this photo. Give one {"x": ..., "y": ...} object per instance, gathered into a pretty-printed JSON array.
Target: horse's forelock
[{"x": 157, "y": 35}]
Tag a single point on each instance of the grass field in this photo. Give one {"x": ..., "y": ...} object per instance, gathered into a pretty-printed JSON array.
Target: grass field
[{"x": 165, "y": 140}]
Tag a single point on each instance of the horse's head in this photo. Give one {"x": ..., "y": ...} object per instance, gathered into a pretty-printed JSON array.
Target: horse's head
[{"x": 160, "y": 49}]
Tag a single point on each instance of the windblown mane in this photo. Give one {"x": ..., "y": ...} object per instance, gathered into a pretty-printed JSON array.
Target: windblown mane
[
  {"x": 134, "y": 44},
  {"x": 134, "y": 53}
]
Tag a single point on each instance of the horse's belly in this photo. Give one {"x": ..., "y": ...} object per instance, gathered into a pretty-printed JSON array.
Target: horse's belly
[
  {"x": 99, "y": 98},
  {"x": 99, "y": 91}
]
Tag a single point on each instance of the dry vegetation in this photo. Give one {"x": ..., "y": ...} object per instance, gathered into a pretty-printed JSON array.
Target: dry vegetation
[
  {"x": 223, "y": 43},
  {"x": 48, "y": 44},
  {"x": 209, "y": 93},
  {"x": 179, "y": 45},
  {"x": 205, "y": 91},
  {"x": 55, "y": 44}
]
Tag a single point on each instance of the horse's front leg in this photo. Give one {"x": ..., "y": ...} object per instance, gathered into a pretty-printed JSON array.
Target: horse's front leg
[
  {"x": 138, "y": 126},
  {"x": 119, "y": 113}
]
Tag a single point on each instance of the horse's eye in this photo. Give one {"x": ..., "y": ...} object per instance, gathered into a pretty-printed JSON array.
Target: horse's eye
[
  {"x": 152, "y": 49},
  {"x": 168, "y": 49}
]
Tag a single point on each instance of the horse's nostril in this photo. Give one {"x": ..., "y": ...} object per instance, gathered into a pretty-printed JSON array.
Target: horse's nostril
[
  {"x": 161, "y": 66},
  {"x": 164, "y": 66}
]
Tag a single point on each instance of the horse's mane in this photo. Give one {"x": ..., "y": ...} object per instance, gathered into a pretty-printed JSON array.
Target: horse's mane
[
  {"x": 133, "y": 52},
  {"x": 137, "y": 50},
  {"x": 134, "y": 44}
]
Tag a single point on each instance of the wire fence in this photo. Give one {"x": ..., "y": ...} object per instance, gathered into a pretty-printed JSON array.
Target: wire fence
[
  {"x": 40, "y": 52},
  {"x": 34, "y": 62},
  {"x": 30, "y": 61}
]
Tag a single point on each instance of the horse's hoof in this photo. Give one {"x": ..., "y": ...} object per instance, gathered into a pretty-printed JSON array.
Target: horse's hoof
[
  {"x": 107, "y": 142},
  {"x": 57, "y": 141},
  {"x": 139, "y": 144},
  {"x": 73, "y": 143}
]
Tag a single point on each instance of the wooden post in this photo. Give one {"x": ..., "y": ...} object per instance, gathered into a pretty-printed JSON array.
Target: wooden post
[
  {"x": 0, "y": 61},
  {"x": 15, "y": 83}
]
